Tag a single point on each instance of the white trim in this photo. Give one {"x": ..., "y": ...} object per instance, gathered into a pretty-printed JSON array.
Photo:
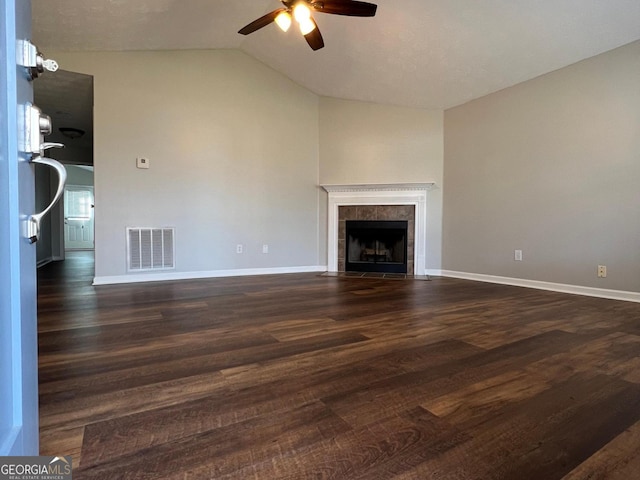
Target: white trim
[
  {"x": 554, "y": 287},
  {"x": 44, "y": 261},
  {"x": 379, "y": 194},
  {"x": 48, "y": 260},
  {"x": 378, "y": 187},
  {"x": 162, "y": 277}
]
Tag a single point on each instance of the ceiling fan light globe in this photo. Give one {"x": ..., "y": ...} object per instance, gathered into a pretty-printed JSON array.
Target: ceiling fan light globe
[
  {"x": 301, "y": 12},
  {"x": 307, "y": 26},
  {"x": 283, "y": 20}
]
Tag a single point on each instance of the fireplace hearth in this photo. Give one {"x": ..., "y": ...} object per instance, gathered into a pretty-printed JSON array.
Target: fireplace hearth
[{"x": 376, "y": 246}]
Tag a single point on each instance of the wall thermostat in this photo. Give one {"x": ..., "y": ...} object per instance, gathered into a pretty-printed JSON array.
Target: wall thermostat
[{"x": 142, "y": 162}]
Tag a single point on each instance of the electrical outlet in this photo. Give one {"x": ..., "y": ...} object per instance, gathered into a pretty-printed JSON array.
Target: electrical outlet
[
  {"x": 517, "y": 255},
  {"x": 239, "y": 248},
  {"x": 602, "y": 271},
  {"x": 265, "y": 248}
]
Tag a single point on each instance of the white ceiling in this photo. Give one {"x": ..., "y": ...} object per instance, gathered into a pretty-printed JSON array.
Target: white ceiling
[{"x": 422, "y": 53}]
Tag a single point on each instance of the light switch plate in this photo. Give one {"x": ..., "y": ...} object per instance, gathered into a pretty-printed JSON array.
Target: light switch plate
[{"x": 142, "y": 162}]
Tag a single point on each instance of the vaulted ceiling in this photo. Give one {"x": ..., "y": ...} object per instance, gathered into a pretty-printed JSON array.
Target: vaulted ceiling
[{"x": 421, "y": 53}]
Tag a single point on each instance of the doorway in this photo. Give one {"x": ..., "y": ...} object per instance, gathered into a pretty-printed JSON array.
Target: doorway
[
  {"x": 68, "y": 98},
  {"x": 78, "y": 209}
]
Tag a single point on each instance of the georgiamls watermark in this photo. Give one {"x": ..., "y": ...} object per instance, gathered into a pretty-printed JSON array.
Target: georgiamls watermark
[{"x": 35, "y": 468}]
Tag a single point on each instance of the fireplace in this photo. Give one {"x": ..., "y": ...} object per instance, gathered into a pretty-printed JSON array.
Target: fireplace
[
  {"x": 393, "y": 202},
  {"x": 392, "y": 218},
  {"x": 376, "y": 246}
]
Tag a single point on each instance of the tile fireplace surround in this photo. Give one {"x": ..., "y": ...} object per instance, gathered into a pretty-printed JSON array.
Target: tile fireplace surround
[
  {"x": 405, "y": 201},
  {"x": 376, "y": 212}
]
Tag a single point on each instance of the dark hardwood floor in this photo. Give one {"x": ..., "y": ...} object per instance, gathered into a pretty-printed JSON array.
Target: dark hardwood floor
[{"x": 310, "y": 377}]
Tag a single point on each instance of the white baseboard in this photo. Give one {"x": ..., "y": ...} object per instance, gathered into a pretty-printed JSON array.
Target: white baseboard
[
  {"x": 433, "y": 273},
  {"x": 44, "y": 262},
  {"x": 478, "y": 277},
  {"x": 162, "y": 277},
  {"x": 554, "y": 287},
  {"x": 48, "y": 260}
]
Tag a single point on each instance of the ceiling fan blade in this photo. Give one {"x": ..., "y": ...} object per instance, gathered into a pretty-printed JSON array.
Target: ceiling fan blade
[
  {"x": 314, "y": 38},
  {"x": 261, "y": 22},
  {"x": 351, "y": 8}
]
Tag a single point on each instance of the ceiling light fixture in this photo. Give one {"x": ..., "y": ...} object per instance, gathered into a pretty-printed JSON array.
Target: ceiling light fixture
[
  {"x": 283, "y": 20},
  {"x": 301, "y": 12},
  {"x": 307, "y": 25},
  {"x": 71, "y": 132}
]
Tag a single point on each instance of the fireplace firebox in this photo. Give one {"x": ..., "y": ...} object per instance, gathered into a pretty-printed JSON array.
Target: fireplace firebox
[{"x": 376, "y": 246}]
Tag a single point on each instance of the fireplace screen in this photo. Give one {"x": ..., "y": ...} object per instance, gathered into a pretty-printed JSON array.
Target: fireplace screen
[{"x": 376, "y": 246}]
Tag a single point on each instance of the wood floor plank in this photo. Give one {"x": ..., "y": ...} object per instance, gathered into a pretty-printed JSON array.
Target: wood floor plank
[
  {"x": 545, "y": 436},
  {"x": 380, "y": 450},
  {"x": 617, "y": 460},
  {"x": 479, "y": 400},
  {"x": 359, "y": 406},
  {"x": 168, "y": 369},
  {"x": 81, "y": 371},
  {"x": 306, "y": 425},
  {"x": 72, "y": 412},
  {"x": 612, "y": 354},
  {"x": 63, "y": 442}
]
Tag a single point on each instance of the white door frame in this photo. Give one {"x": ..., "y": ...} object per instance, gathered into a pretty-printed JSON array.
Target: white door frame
[{"x": 18, "y": 324}]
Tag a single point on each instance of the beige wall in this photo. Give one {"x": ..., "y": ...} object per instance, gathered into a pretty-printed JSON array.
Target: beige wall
[
  {"x": 552, "y": 167},
  {"x": 233, "y": 149},
  {"x": 370, "y": 143}
]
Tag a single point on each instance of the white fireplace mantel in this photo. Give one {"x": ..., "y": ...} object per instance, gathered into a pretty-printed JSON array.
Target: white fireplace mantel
[
  {"x": 379, "y": 194},
  {"x": 377, "y": 187}
]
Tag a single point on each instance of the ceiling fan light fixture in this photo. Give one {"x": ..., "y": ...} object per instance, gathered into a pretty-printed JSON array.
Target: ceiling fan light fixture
[
  {"x": 301, "y": 12},
  {"x": 307, "y": 26},
  {"x": 283, "y": 20}
]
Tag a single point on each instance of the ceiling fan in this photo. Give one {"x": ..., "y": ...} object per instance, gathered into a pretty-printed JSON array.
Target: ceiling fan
[{"x": 301, "y": 10}]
